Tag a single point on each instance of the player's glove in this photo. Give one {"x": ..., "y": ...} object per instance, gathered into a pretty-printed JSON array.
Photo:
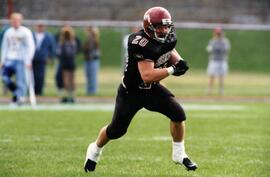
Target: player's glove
[{"x": 180, "y": 68}]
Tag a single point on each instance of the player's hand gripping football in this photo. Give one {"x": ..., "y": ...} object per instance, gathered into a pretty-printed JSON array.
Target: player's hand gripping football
[{"x": 180, "y": 68}]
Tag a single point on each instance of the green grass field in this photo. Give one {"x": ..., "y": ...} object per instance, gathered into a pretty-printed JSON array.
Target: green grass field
[{"x": 226, "y": 140}]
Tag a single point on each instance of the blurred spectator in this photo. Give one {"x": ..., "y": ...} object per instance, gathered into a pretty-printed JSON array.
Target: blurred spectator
[
  {"x": 66, "y": 52},
  {"x": 45, "y": 49},
  {"x": 58, "y": 75},
  {"x": 92, "y": 59},
  {"x": 218, "y": 49},
  {"x": 17, "y": 53}
]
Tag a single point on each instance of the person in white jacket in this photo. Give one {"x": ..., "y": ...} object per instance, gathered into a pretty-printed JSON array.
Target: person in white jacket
[{"x": 17, "y": 51}]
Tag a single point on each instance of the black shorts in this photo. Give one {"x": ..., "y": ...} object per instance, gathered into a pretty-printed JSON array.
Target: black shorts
[
  {"x": 68, "y": 65},
  {"x": 158, "y": 99}
]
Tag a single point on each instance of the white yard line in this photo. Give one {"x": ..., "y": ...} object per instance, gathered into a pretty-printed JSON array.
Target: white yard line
[{"x": 110, "y": 107}]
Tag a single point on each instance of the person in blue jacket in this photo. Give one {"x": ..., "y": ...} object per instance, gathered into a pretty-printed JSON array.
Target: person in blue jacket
[{"x": 45, "y": 50}]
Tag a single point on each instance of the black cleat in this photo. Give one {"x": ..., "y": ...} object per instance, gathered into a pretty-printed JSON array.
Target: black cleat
[
  {"x": 189, "y": 164},
  {"x": 89, "y": 165}
]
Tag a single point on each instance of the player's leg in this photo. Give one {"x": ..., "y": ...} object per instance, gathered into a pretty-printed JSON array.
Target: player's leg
[
  {"x": 177, "y": 128},
  {"x": 125, "y": 109},
  {"x": 94, "y": 150},
  {"x": 168, "y": 106},
  {"x": 179, "y": 155},
  {"x": 178, "y": 134},
  {"x": 106, "y": 134}
]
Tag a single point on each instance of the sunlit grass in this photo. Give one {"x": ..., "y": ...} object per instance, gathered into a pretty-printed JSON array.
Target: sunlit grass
[{"x": 222, "y": 142}]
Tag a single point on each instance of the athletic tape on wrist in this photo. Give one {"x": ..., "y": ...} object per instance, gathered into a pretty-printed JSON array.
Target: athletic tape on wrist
[{"x": 170, "y": 70}]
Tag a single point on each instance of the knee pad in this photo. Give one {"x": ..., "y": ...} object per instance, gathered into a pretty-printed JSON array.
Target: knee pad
[{"x": 115, "y": 132}]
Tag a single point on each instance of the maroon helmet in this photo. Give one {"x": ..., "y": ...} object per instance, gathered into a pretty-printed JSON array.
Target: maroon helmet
[{"x": 154, "y": 18}]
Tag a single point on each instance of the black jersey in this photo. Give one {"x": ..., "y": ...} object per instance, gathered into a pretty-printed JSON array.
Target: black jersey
[{"x": 142, "y": 47}]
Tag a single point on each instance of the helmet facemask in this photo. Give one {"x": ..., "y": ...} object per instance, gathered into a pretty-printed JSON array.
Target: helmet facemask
[{"x": 159, "y": 36}]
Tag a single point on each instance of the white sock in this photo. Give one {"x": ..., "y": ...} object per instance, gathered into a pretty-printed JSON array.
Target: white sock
[
  {"x": 97, "y": 149},
  {"x": 93, "y": 151},
  {"x": 179, "y": 149}
]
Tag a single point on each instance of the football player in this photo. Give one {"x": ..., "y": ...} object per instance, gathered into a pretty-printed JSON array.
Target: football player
[{"x": 151, "y": 58}]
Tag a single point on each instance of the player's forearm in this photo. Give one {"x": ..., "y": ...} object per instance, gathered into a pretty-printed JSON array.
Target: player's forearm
[
  {"x": 155, "y": 75},
  {"x": 175, "y": 57},
  {"x": 151, "y": 74},
  {"x": 175, "y": 54}
]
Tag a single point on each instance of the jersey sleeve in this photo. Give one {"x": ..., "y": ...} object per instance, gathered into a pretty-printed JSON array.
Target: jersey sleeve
[{"x": 138, "y": 48}]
